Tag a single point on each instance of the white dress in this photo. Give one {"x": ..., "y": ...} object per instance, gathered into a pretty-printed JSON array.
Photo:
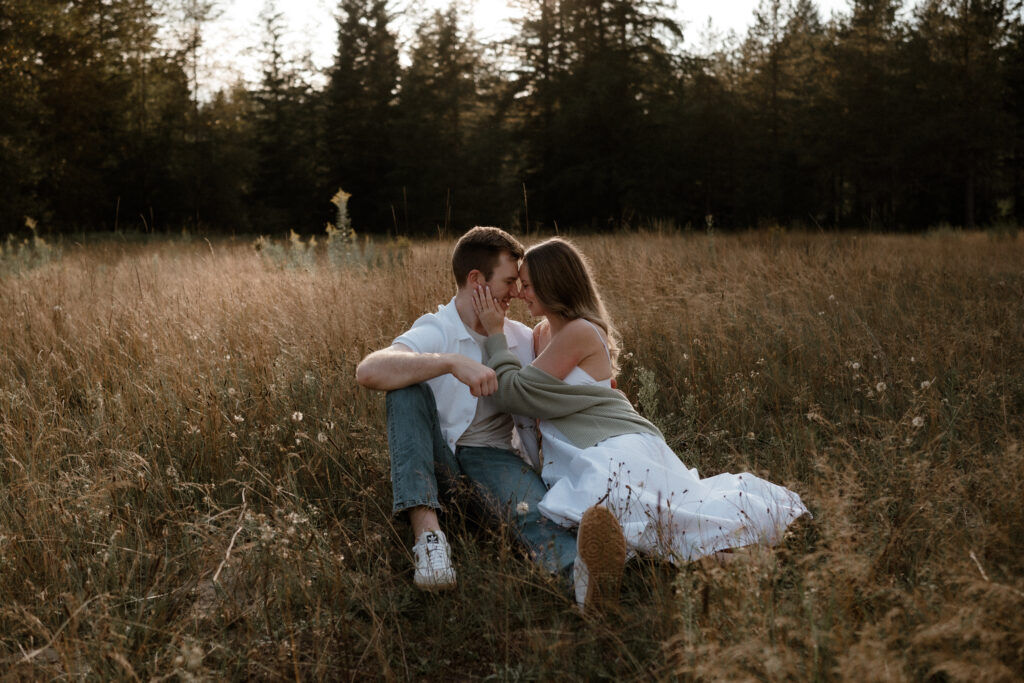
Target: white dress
[{"x": 665, "y": 509}]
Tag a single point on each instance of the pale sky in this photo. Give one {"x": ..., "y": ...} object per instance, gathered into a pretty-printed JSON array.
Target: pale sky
[{"x": 234, "y": 38}]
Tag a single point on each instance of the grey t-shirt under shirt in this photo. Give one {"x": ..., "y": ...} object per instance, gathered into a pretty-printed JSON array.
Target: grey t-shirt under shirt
[{"x": 490, "y": 427}]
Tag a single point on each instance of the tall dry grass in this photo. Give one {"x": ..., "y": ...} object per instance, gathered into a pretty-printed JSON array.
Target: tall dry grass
[{"x": 192, "y": 486}]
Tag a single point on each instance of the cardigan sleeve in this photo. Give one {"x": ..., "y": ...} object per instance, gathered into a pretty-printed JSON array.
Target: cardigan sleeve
[{"x": 532, "y": 392}]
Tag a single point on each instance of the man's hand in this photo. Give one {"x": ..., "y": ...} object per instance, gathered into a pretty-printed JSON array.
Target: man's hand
[{"x": 481, "y": 380}]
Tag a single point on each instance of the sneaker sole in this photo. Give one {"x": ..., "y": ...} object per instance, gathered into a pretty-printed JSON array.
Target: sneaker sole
[
  {"x": 602, "y": 547},
  {"x": 434, "y": 587}
]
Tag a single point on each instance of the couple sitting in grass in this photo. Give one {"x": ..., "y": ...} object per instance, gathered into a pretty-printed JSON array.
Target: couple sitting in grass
[{"x": 532, "y": 422}]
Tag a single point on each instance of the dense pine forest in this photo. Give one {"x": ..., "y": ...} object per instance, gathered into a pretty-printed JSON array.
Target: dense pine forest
[{"x": 888, "y": 116}]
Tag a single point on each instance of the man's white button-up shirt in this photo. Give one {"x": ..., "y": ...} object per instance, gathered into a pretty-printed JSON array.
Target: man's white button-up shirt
[{"x": 444, "y": 332}]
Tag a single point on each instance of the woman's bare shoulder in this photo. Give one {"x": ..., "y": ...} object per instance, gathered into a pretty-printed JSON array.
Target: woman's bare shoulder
[
  {"x": 582, "y": 328},
  {"x": 581, "y": 334},
  {"x": 541, "y": 336}
]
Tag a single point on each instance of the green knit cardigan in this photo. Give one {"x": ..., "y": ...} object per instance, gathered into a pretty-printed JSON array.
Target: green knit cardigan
[{"x": 585, "y": 414}]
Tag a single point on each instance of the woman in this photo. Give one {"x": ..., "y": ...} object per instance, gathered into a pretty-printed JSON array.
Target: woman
[{"x": 596, "y": 447}]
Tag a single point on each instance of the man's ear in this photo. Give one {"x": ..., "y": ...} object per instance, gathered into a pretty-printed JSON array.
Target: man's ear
[{"x": 475, "y": 278}]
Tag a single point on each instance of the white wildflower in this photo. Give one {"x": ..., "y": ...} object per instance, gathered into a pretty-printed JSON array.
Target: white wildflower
[
  {"x": 918, "y": 421},
  {"x": 297, "y": 416},
  {"x": 239, "y": 418},
  {"x": 321, "y": 437},
  {"x": 880, "y": 387},
  {"x": 232, "y": 391},
  {"x": 855, "y": 365},
  {"x": 925, "y": 384},
  {"x": 522, "y": 507}
]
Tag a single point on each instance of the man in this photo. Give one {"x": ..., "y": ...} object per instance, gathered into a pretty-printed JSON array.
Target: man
[{"x": 442, "y": 426}]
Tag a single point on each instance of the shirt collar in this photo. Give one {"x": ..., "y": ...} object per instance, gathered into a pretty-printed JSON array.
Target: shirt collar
[{"x": 451, "y": 316}]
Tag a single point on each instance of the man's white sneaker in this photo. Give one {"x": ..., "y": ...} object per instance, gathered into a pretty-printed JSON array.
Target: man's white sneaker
[
  {"x": 600, "y": 560},
  {"x": 434, "y": 571}
]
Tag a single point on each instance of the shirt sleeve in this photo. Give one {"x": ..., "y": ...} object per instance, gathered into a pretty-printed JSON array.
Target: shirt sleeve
[{"x": 425, "y": 336}]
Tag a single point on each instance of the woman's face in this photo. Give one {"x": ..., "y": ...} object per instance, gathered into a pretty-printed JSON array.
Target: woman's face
[{"x": 526, "y": 293}]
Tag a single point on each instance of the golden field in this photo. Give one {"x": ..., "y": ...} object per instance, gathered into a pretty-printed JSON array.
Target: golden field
[{"x": 193, "y": 487}]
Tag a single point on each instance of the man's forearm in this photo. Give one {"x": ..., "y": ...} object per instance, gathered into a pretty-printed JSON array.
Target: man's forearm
[{"x": 388, "y": 369}]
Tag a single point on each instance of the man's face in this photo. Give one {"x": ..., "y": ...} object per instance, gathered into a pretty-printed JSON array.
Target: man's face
[{"x": 504, "y": 282}]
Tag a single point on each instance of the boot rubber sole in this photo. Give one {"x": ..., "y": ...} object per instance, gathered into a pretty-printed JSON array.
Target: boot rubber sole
[{"x": 602, "y": 547}]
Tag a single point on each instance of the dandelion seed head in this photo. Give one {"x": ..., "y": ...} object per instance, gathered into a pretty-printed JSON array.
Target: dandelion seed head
[
  {"x": 321, "y": 437},
  {"x": 918, "y": 421},
  {"x": 855, "y": 365},
  {"x": 522, "y": 507},
  {"x": 925, "y": 384},
  {"x": 880, "y": 387}
]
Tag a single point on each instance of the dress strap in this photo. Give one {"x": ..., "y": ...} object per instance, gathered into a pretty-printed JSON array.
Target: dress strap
[{"x": 597, "y": 331}]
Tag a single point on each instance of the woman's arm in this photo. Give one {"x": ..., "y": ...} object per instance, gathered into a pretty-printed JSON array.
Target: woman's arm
[
  {"x": 533, "y": 392},
  {"x": 573, "y": 344}
]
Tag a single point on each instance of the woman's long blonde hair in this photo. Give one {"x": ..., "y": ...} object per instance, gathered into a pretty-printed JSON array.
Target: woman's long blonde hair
[{"x": 562, "y": 282}]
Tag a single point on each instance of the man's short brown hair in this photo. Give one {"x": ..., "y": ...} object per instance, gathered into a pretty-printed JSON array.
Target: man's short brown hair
[{"x": 480, "y": 249}]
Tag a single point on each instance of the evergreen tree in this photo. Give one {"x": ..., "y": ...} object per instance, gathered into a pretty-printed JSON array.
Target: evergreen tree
[
  {"x": 447, "y": 164},
  {"x": 870, "y": 109},
  {"x": 287, "y": 191},
  {"x": 24, "y": 27},
  {"x": 360, "y": 111},
  {"x": 963, "y": 86},
  {"x": 596, "y": 66}
]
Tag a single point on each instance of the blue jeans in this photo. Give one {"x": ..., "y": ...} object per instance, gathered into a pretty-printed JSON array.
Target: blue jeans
[{"x": 423, "y": 467}]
